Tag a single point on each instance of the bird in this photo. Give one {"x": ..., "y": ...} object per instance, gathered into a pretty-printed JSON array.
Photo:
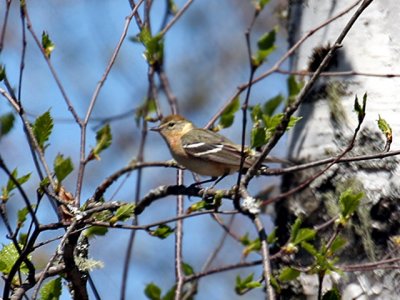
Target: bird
[{"x": 203, "y": 151}]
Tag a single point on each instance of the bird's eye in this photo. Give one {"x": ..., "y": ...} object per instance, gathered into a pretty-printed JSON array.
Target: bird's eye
[{"x": 171, "y": 124}]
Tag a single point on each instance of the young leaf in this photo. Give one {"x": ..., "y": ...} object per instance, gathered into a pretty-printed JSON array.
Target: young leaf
[
  {"x": 338, "y": 244},
  {"x": 294, "y": 230},
  {"x": 22, "y": 213},
  {"x": 47, "y": 44},
  {"x": 144, "y": 110},
  {"x": 51, "y": 290},
  {"x": 187, "y": 269},
  {"x": 332, "y": 294},
  {"x": 253, "y": 246},
  {"x": 266, "y": 45},
  {"x": 8, "y": 257},
  {"x": 246, "y": 283},
  {"x": 261, "y": 3},
  {"x": 348, "y": 202},
  {"x": 6, "y": 124},
  {"x": 304, "y": 234},
  {"x": 6, "y": 190},
  {"x": 288, "y": 274},
  {"x": 272, "y": 104},
  {"x": 42, "y": 129},
  {"x": 272, "y": 238},
  {"x": 170, "y": 295},
  {"x": 154, "y": 52},
  {"x": 2, "y": 72},
  {"x": 162, "y": 231},
  {"x": 386, "y": 130},
  {"x": 309, "y": 248},
  {"x": 197, "y": 206},
  {"x": 294, "y": 88},
  {"x": 103, "y": 138},
  {"x": 258, "y": 136},
  {"x": 152, "y": 291},
  {"x": 95, "y": 230},
  {"x": 256, "y": 113},
  {"x": 172, "y": 7},
  {"x": 228, "y": 115},
  {"x": 62, "y": 167},
  {"x": 123, "y": 213},
  {"x": 360, "y": 109}
]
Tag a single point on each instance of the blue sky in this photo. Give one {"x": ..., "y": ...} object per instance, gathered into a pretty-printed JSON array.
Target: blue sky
[{"x": 205, "y": 60}]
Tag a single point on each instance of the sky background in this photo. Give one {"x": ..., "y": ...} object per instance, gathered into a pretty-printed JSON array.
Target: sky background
[{"x": 205, "y": 60}]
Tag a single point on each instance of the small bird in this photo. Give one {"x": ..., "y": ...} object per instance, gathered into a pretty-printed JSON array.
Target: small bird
[{"x": 202, "y": 151}]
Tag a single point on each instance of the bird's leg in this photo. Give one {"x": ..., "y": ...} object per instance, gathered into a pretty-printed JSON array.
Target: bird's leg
[
  {"x": 204, "y": 181},
  {"x": 215, "y": 179}
]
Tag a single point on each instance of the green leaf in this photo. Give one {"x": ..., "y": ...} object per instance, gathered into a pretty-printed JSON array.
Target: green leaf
[
  {"x": 261, "y": 4},
  {"x": 42, "y": 129},
  {"x": 228, "y": 115},
  {"x": 143, "y": 111},
  {"x": 152, "y": 291},
  {"x": 6, "y": 190},
  {"x": 267, "y": 40},
  {"x": 170, "y": 295},
  {"x": 2, "y": 72},
  {"x": 103, "y": 138},
  {"x": 275, "y": 284},
  {"x": 272, "y": 122},
  {"x": 258, "y": 136},
  {"x": 256, "y": 113},
  {"x": 360, "y": 109},
  {"x": 348, "y": 202},
  {"x": 266, "y": 45},
  {"x": 272, "y": 104},
  {"x": 51, "y": 290},
  {"x": 173, "y": 8},
  {"x": 162, "y": 231},
  {"x": 22, "y": 213},
  {"x": 197, "y": 206},
  {"x": 272, "y": 238},
  {"x": 95, "y": 230},
  {"x": 246, "y": 283},
  {"x": 294, "y": 87},
  {"x": 6, "y": 124},
  {"x": 294, "y": 230},
  {"x": 154, "y": 52},
  {"x": 332, "y": 294},
  {"x": 304, "y": 234},
  {"x": 309, "y": 248},
  {"x": 187, "y": 269},
  {"x": 62, "y": 167},
  {"x": 8, "y": 257},
  {"x": 47, "y": 44},
  {"x": 288, "y": 274},
  {"x": 385, "y": 129},
  {"x": 123, "y": 213},
  {"x": 338, "y": 244},
  {"x": 253, "y": 246}
]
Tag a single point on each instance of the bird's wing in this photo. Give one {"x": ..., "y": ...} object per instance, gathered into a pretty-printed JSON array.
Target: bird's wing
[{"x": 212, "y": 147}]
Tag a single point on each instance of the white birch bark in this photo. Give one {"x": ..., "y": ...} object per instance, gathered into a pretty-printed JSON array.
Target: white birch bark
[{"x": 372, "y": 46}]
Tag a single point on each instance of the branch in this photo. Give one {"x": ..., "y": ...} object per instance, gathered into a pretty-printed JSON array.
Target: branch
[{"x": 292, "y": 108}]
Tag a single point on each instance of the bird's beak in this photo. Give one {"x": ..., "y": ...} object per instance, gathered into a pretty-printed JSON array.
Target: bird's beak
[{"x": 156, "y": 128}]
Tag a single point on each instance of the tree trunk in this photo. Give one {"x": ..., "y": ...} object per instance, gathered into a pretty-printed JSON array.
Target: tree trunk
[{"x": 329, "y": 121}]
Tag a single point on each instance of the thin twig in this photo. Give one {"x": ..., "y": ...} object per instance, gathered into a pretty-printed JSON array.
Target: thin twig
[
  {"x": 267, "y": 271},
  {"x": 290, "y": 109},
  {"x": 180, "y": 276},
  {"x": 278, "y": 64},
  {"x": 83, "y": 124},
  {"x": 177, "y": 16}
]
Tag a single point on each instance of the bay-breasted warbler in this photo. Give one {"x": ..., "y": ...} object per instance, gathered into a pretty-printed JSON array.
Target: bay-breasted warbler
[{"x": 200, "y": 150}]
